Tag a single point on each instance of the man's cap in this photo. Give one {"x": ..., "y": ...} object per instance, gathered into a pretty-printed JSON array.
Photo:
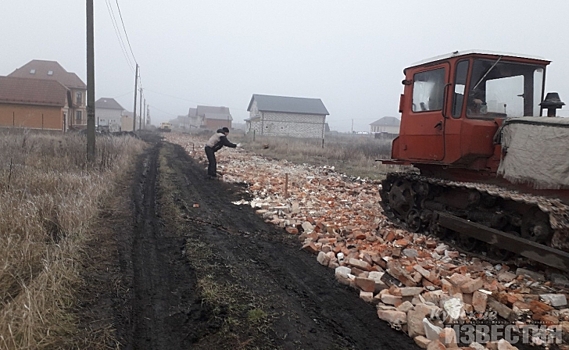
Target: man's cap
[{"x": 225, "y": 129}]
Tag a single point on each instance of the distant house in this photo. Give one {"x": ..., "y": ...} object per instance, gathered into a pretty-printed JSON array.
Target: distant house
[
  {"x": 205, "y": 117},
  {"x": 181, "y": 122},
  {"x": 287, "y": 116},
  {"x": 213, "y": 118},
  {"x": 33, "y": 103},
  {"x": 194, "y": 120},
  {"x": 389, "y": 125},
  {"x": 108, "y": 114},
  {"x": 76, "y": 117}
]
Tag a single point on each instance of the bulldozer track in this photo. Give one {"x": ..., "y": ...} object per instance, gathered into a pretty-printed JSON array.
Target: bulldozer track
[
  {"x": 402, "y": 225},
  {"x": 556, "y": 211}
]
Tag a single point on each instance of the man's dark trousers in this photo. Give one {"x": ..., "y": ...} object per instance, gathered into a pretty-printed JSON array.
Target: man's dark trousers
[{"x": 212, "y": 167}]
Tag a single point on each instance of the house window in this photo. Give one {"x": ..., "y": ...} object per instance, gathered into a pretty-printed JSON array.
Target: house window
[
  {"x": 78, "y": 97},
  {"x": 50, "y": 72},
  {"x": 32, "y": 71},
  {"x": 78, "y": 117}
]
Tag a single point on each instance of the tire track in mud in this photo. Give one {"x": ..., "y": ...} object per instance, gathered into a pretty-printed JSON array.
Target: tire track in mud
[
  {"x": 162, "y": 280},
  {"x": 218, "y": 277}
]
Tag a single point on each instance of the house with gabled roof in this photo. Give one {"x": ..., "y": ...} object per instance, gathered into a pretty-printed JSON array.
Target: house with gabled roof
[
  {"x": 52, "y": 70},
  {"x": 33, "y": 104},
  {"x": 388, "y": 125},
  {"x": 287, "y": 116},
  {"x": 108, "y": 114},
  {"x": 213, "y": 118},
  {"x": 182, "y": 122}
]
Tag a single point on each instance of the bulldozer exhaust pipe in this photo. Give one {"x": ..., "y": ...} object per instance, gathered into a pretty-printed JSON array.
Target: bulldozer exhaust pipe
[{"x": 552, "y": 102}]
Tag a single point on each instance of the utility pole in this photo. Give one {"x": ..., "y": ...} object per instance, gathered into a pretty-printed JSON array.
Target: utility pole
[
  {"x": 144, "y": 124},
  {"x": 135, "y": 91},
  {"x": 352, "y": 126},
  {"x": 140, "y": 126},
  {"x": 90, "y": 83}
]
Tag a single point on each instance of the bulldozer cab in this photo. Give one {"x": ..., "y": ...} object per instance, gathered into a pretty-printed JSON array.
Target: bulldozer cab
[{"x": 452, "y": 105}]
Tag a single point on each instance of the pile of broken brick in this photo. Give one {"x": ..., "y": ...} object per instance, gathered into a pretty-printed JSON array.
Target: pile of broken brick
[{"x": 419, "y": 285}]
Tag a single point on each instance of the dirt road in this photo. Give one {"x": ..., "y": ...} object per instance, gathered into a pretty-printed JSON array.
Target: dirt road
[{"x": 202, "y": 273}]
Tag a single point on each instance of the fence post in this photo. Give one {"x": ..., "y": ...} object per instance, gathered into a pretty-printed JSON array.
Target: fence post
[{"x": 286, "y": 186}]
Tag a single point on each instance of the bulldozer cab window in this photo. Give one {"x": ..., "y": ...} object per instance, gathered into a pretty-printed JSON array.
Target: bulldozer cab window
[
  {"x": 459, "y": 88},
  {"x": 428, "y": 90},
  {"x": 504, "y": 89}
]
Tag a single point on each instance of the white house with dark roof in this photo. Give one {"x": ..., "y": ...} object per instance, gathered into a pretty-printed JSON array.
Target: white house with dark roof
[
  {"x": 287, "y": 116},
  {"x": 389, "y": 125},
  {"x": 108, "y": 114}
]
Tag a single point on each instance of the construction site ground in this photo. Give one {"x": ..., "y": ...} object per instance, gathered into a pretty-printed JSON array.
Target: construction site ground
[
  {"x": 278, "y": 255},
  {"x": 178, "y": 266}
]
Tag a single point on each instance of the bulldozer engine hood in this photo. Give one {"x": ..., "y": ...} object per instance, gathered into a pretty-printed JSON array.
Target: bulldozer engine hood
[{"x": 534, "y": 152}]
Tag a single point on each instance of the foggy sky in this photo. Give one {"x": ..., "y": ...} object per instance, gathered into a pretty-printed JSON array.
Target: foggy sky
[{"x": 219, "y": 52}]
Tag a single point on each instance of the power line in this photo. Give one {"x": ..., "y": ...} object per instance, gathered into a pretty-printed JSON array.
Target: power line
[
  {"x": 138, "y": 78},
  {"x": 176, "y": 97},
  {"x": 123, "y": 94},
  {"x": 125, "y": 33},
  {"x": 117, "y": 33},
  {"x": 154, "y": 107}
]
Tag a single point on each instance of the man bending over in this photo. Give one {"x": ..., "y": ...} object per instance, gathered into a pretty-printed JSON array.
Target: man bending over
[{"x": 214, "y": 144}]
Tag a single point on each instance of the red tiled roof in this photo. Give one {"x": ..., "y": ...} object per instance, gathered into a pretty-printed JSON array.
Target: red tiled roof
[
  {"x": 32, "y": 92},
  {"x": 40, "y": 69}
]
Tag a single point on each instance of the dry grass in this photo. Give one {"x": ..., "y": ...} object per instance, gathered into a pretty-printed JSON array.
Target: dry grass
[
  {"x": 353, "y": 155},
  {"x": 49, "y": 195}
]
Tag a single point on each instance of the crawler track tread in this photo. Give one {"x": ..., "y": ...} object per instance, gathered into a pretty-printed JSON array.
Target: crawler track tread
[{"x": 556, "y": 210}]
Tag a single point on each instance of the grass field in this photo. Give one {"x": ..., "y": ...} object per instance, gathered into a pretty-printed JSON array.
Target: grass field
[
  {"x": 49, "y": 195},
  {"x": 353, "y": 155}
]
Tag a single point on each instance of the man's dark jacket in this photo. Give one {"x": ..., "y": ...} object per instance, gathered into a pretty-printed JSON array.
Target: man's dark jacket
[{"x": 218, "y": 140}]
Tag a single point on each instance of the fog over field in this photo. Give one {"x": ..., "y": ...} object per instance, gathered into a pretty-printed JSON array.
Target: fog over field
[{"x": 219, "y": 52}]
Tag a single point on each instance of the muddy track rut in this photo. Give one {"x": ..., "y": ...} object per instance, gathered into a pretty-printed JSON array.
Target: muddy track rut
[{"x": 207, "y": 274}]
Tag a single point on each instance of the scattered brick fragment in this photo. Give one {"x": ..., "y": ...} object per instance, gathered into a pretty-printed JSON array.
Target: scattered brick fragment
[{"x": 409, "y": 276}]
